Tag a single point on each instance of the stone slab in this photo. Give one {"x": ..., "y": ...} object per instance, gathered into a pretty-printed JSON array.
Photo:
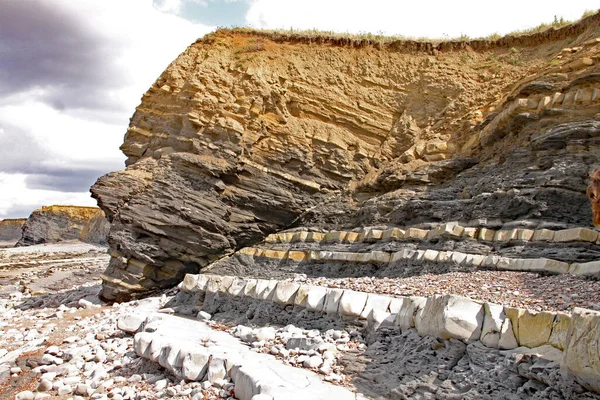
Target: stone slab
[{"x": 252, "y": 373}]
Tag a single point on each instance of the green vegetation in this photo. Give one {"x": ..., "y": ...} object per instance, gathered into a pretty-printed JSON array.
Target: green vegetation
[
  {"x": 380, "y": 37},
  {"x": 557, "y": 23}
]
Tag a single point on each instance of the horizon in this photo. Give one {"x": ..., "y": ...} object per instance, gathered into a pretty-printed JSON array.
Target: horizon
[{"x": 82, "y": 78}]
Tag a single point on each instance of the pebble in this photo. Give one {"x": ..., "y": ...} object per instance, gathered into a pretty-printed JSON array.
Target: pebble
[
  {"x": 44, "y": 386},
  {"x": 313, "y": 362},
  {"x": 203, "y": 316},
  {"x": 161, "y": 384},
  {"x": 65, "y": 390},
  {"x": 205, "y": 385},
  {"x": 25, "y": 395}
]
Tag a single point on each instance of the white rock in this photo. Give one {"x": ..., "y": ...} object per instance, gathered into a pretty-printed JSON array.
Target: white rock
[
  {"x": 449, "y": 317},
  {"x": 313, "y": 362},
  {"x": 266, "y": 334},
  {"x": 492, "y": 324},
  {"x": 161, "y": 384},
  {"x": 65, "y": 390},
  {"x": 216, "y": 368},
  {"x": 203, "y": 316},
  {"x": 130, "y": 323},
  {"x": 25, "y": 395},
  {"x": 44, "y": 386}
]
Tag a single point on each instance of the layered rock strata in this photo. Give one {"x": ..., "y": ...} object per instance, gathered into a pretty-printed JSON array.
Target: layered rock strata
[
  {"x": 57, "y": 223},
  {"x": 246, "y": 134},
  {"x": 10, "y": 229}
]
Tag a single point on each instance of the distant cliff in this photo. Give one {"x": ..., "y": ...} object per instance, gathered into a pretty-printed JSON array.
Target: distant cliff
[
  {"x": 58, "y": 223},
  {"x": 10, "y": 229}
]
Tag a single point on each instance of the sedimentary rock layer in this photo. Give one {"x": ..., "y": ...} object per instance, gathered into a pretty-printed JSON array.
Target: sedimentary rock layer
[
  {"x": 57, "y": 223},
  {"x": 10, "y": 229},
  {"x": 247, "y": 133}
]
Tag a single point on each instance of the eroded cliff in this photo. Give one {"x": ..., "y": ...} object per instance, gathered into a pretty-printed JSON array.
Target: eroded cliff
[
  {"x": 57, "y": 223},
  {"x": 10, "y": 230},
  {"x": 248, "y": 133}
]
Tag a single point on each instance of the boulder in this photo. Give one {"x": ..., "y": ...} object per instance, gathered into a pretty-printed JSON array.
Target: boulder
[{"x": 582, "y": 354}]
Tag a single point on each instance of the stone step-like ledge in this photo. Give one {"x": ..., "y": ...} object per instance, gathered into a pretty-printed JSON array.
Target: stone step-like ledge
[
  {"x": 448, "y": 230},
  {"x": 418, "y": 256},
  {"x": 445, "y": 317},
  {"x": 193, "y": 351}
]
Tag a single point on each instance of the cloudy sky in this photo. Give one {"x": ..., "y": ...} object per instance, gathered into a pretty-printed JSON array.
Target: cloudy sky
[{"x": 73, "y": 71}]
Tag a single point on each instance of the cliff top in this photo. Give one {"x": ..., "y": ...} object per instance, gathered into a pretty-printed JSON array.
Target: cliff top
[
  {"x": 558, "y": 30},
  {"x": 13, "y": 220}
]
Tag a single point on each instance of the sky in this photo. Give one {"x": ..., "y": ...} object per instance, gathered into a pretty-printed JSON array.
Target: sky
[{"x": 73, "y": 71}]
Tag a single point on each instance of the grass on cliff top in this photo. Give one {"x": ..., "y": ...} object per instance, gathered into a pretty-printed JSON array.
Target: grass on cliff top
[{"x": 380, "y": 37}]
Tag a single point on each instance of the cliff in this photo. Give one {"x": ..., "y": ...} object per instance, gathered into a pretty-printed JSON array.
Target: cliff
[
  {"x": 248, "y": 133},
  {"x": 10, "y": 229},
  {"x": 57, "y": 223}
]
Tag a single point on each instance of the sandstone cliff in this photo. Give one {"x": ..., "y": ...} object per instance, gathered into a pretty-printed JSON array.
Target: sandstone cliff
[
  {"x": 10, "y": 229},
  {"x": 57, "y": 223},
  {"x": 248, "y": 133}
]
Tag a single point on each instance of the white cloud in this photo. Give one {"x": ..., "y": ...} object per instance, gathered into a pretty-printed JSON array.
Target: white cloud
[
  {"x": 63, "y": 128},
  {"x": 425, "y": 18},
  {"x": 18, "y": 200}
]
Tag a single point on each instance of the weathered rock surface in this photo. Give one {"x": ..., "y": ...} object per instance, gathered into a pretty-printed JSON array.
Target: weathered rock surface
[
  {"x": 248, "y": 133},
  {"x": 57, "y": 223},
  {"x": 10, "y": 229}
]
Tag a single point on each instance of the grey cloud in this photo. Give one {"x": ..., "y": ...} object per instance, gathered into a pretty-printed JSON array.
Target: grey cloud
[
  {"x": 42, "y": 45},
  {"x": 19, "y": 210},
  {"x": 64, "y": 180},
  {"x": 21, "y": 153}
]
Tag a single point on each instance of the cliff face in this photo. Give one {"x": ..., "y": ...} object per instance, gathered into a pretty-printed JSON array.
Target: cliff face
[
  {"x": 247, "y": 133},
  {"x": 58, "y": 223},
  {"x": 10, "y": 229}
]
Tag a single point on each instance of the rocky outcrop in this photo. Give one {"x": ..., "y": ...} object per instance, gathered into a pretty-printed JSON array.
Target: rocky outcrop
[
  {"x": 10, "y": 229},
  {"x": 246, "y": 134},
  {"x": 57, "y": 223}
]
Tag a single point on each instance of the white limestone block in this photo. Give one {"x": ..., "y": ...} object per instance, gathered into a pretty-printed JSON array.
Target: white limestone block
[
  {"x": 393, "y": 233},
  {"x": 405, "y": 319},
  {"x": 430, "y": 255},
  {"x": 189, "y": 283},
  {"x": 449, "y": 317},
  {"x": 398, "y": 303},
  {"x": 525, "y": 234},
  {"x": 315, "y": 299},
  {"x": 475, "y": 259},
  {"x": 581, "y": 353},
  {"x": 302, "y": 296},
  {"x": 575, "y": 235},
  {"x": 492, "y": 324},
  {"x": 404, "y": 254},
  {"x": 507, "y": 339},
  {"x": 543, "y": 235},
  {"x": 352, "y": 303},
  {"x": 457, "y": 257},
  {"x": 332, "y": 301},
  {"x": 375, "y": 301},
  {"x": 373, "y": 235},
  {"x": 592, "y": 267},
  {"x": 416, "y": 234},
  {"x": 285, "y": 292},
  {"x": 486, "y": 234},
  {"x": 195, "y": 363},
  {"x": 250, "y": 288}
]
